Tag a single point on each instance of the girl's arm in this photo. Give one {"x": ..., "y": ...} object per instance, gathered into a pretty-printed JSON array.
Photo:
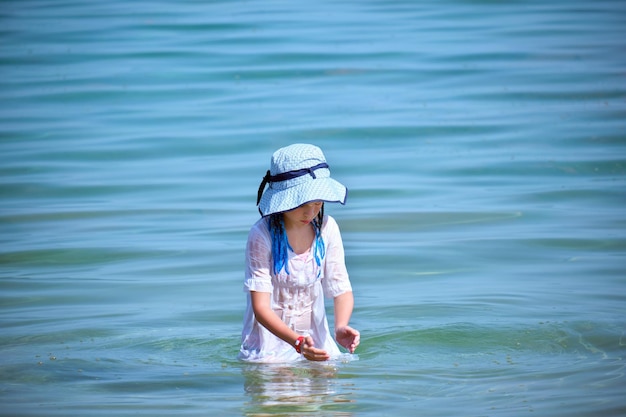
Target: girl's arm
[
  {"x": 261, "y": 305},
  {"x": 346, "y": 336}
]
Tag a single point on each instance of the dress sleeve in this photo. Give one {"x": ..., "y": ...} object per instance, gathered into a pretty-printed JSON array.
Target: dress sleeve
[
  {"x": 258, "y": 259},
  {"x": 336, "y": 280}
]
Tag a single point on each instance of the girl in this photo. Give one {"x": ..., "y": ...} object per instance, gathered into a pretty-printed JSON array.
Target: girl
[{"x": 294, "y": 255}]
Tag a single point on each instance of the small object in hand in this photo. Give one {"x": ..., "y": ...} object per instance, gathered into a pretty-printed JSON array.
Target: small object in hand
[{"x": 298, "y": 344}]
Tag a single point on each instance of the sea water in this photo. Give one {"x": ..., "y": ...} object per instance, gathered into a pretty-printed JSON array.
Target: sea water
[{"x": 484, "y": 147}]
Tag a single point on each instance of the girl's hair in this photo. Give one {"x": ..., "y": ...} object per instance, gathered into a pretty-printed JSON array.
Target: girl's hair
[{"x": 280, "y": 242}]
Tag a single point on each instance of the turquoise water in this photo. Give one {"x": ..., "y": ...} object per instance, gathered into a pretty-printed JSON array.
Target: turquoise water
[{"x": 484, "y": 146}]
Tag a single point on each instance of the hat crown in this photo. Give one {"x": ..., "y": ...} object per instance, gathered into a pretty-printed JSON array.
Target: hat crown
[{"x": 294, "y": 157}]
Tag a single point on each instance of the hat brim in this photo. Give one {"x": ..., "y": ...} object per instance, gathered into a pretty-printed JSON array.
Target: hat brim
[{"x": 321, "y": 189}]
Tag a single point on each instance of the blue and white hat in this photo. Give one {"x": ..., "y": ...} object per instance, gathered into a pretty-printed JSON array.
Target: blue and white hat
[{"x": 298, "y": 175}]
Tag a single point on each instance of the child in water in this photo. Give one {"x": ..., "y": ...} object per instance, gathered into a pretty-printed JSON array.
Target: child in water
[{"x": 295, "y": 256}]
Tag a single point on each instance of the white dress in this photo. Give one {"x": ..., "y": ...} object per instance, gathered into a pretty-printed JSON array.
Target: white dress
[{"x": 297, "y": 298}]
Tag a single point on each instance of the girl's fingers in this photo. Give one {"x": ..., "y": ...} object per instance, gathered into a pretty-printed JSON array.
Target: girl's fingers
[{"x": 314, "y": 354}]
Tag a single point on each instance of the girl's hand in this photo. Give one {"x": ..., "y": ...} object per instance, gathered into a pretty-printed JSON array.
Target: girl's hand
[
  {"x": 310, "y": 352},
  {"x": 348, "y": 337}
]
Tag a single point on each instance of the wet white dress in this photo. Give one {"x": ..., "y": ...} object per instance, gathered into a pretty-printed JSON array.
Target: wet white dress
[{"x": 297, "y": 298}]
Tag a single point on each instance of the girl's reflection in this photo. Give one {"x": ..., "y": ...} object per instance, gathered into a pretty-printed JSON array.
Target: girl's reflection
[{"x": 300, "y": 388}]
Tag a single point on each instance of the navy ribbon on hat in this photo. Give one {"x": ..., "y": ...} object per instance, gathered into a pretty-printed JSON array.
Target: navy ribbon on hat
[{"x": 284, "y": 176}]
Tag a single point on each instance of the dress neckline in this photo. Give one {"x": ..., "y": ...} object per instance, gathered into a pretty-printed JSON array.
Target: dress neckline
[{"x": 304, "y": 254}]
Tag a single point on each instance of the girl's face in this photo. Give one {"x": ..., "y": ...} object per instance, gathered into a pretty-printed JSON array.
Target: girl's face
[{"x": 302, "y": 215}]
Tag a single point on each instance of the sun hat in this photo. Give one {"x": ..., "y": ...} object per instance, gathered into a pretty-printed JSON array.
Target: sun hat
[{"x": 298, "y": 174}]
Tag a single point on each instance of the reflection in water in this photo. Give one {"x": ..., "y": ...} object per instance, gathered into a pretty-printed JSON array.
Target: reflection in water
[{"x": 303, "y": 388}]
